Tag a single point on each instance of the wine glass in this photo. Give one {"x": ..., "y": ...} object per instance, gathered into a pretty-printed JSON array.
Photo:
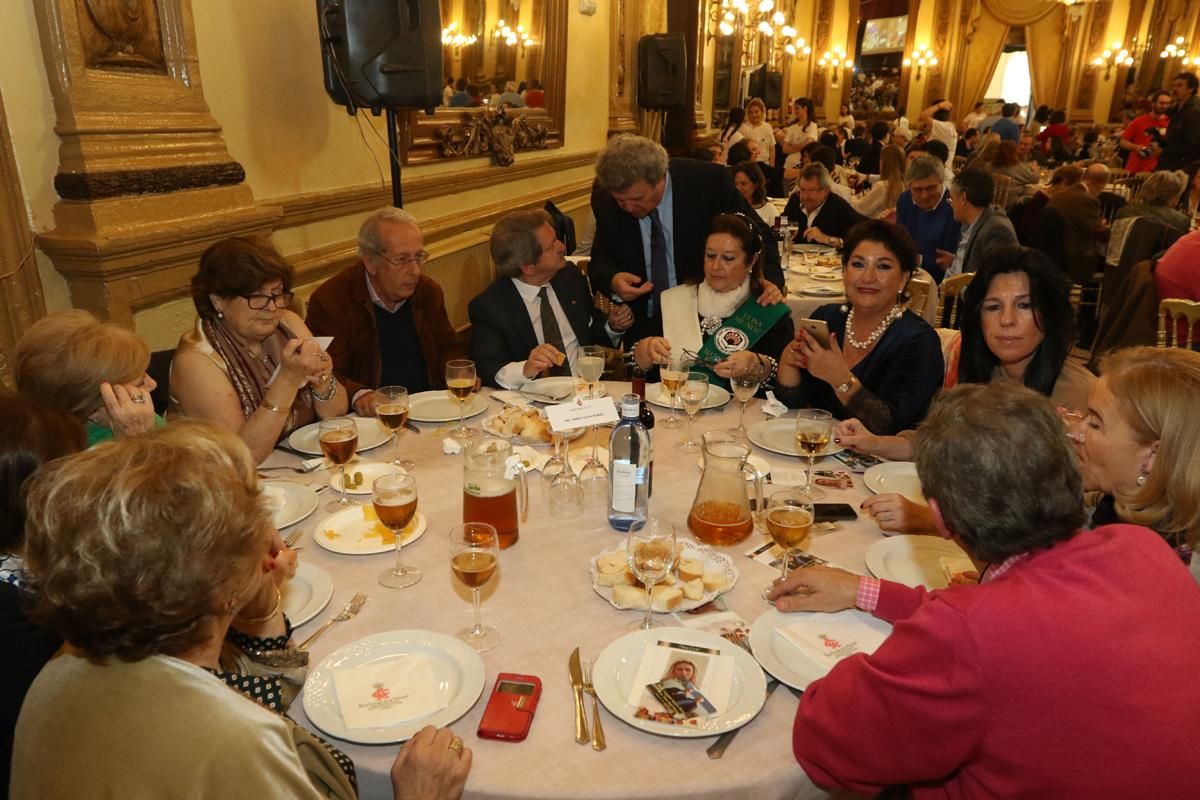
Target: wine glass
[
  {"x": 814, "y": 429},
  {"x": 391, "y": 407},
  {"x": 395, "y": 499},
  {"x": 789, "y": 521},
  {"x": 693, "y": 392},
  {"x": 554, "y": 464},
  {"x": 460, "y": 381},
  {"x": 474, "y": 554},
  {"x": 339, "y": 440},
  {"x": 565, "y": 490},
  {"x": 650, "y": 548},
  {"x": 672, "y": 372},
  {"x": 594, "y": 475},
  {"x": 745, "y": 385}
]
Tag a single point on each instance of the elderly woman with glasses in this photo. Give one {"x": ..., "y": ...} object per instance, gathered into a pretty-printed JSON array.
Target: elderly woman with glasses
[{"x": 251, "y": 365}]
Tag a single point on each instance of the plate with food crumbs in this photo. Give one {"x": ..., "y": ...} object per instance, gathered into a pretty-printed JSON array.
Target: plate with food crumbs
[
  {"x": 359, "y": 477},
  {"x": 357, "y": 531}
]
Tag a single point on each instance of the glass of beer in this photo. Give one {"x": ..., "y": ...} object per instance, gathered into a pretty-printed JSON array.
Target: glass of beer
[
  {"x": 391, "y": 408},
  {"x": 395, "y": 499},
  {"x": 692, "y": 393},
  {"x": 460, "y": 381},
  {"x": 339, "y": 440},
  {"x": 474, "y": 554},
  {"x": 789, "y": 521},
  {"x": 650, "y": 549},
  {"x": 814, "y": 429},
  {"x": 672, "y": 373}
]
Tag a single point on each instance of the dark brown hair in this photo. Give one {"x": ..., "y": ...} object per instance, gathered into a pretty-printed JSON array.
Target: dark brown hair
[{"x": 236, "y": 267}]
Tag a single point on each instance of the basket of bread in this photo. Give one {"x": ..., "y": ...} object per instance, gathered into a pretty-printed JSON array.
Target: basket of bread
[
  {"x": 698, "y": 575},
  {"x": 520, "y": 425}
]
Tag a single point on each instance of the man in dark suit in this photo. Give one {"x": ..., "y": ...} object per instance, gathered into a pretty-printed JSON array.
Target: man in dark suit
[
  {"x": 983, "y": 227},
  {"x": 538, "y": 314},
  {"x": 823, "y": 217},
  {"x": 652, "y": 218}
]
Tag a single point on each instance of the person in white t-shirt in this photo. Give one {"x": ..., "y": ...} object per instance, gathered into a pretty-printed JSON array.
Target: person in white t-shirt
[
  {"x": 802, "y": 131},
  {"x": 757, "y": 128},
  {"x": 973, "y": 119},
  {"x": 937, "y": 116}
]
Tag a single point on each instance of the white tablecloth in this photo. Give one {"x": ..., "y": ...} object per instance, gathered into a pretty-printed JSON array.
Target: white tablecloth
[{"x": 543, "y": 604}]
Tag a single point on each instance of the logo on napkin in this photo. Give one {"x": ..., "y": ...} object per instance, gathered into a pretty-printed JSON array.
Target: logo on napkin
[
  {"x": 388, "y": 692},
  {"x": 828, "y": 638}
]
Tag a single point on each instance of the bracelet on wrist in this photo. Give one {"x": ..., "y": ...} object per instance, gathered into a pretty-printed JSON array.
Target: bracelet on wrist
[
  {"x": 251, "y": 622},
  {"x": 274, "y": 409},
  {"x": 327, "y": 395}
]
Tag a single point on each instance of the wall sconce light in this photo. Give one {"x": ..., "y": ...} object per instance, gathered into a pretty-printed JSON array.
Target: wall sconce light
[
  {"x": 832, "y": 63},
  {"x": 513, "y": 37},
  {"x": 453, "y": 38},
  {"x": 1116, "y": 56},
  {"x": 922, "y": 57},
  {"x": 1178, "y": 49}
]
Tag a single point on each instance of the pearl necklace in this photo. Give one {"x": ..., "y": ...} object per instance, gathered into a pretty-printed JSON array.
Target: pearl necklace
[{"x": 893, "y": 315}]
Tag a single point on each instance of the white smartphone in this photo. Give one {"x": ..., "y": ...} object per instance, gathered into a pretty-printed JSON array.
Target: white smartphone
[{"x": 817, "y": 329}]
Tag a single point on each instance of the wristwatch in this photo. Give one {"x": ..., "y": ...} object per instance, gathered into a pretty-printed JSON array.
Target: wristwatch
[{"x": 842, "y": 388}]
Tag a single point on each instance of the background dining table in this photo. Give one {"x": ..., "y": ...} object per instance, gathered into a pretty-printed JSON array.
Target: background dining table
[{"x": 543, "y": 604}]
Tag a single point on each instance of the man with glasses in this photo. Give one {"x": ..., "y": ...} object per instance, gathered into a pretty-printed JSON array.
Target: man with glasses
[
  {"x": 388, "y": 321},
  {"x": 924, "y": 211},
  {"x": 824, "y": 217}
]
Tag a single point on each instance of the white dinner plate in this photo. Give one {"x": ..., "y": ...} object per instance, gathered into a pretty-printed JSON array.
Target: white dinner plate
[
  {"x": 716, "y": 397},
  {"x": 898, "y": 477},
  {"x": 757, "y": 463},
  {"x": 549, "y": 390},
  {"x": 912, "y": 560},
  {"x": 370, "y": 471},
  {"x": 458, "y": 667},
  {"x": 439, "y": 406},
  {"x": 814, "y": 290},
  {"x": 822, "y": 275},
  {"x": 779, "y": 436},
  {"x": 616, "y": 669},
  {"x": 813, "y": 247},
  {"x": 370, "y": 434},
  {"x": 349, "y": 531},
  {"x": 307, "y": 593},
  {"x": 784, "y": 661},
  {"x": 289, "y": 502},
  {"x": 687, "y": 549}
]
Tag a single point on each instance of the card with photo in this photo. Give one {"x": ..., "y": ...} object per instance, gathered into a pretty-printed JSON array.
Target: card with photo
[
  {"x": 771, "y": 554},
  {"x": 680, "y": 684}
]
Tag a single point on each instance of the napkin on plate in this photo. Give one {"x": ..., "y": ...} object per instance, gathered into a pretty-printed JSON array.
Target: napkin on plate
[
  {"x": 511, "y": 399},
  {"x": 531, "y": 459},
  {"x": 388, "y": 692},
  {"x": 309, "y": 464},
  {"x": 773, "y": 408},
  {"x": 451, "y": 447},
  {"x": 828, "y": 638}
]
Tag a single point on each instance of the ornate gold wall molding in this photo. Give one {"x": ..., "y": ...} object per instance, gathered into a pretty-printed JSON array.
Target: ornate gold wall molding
[
  {"x": 622, "y": 74},
  {"x": 822, "y": 31},
  {"x": 1095, "y": 25}
]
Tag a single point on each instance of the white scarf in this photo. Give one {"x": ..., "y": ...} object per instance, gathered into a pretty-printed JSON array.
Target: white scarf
[{"x": 683, "y": 306}]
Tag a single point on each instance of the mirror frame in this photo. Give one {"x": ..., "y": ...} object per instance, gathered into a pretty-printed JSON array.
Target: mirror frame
[{"x": 417, "y": 132}]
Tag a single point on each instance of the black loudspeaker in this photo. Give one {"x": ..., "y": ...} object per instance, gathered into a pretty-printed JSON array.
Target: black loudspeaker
[
  {"x": 662, "y": 71},
  {"x": 382, "y": 54},
  {"x": 768, "y": 86}
]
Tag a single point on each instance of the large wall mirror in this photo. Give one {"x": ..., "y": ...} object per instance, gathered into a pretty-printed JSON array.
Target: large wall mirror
[
  {"x": 489, "y": 44},
  {"x": 883, "y": 31}
]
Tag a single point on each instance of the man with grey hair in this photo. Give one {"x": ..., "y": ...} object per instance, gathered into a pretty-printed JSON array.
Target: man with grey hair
[
  {"x": 924, "y": 211},
  {"x": 652, "y": 218},
  {"x": 824, "y": 217},
  {"x": 388, "y": 321},
  {"x": 538, "y": 315}
]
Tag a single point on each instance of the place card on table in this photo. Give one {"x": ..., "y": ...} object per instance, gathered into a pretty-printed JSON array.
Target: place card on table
[
  {"x": 388, "y": 692},
  {"x": 828, "y": 638},
  {"x": 581, "y": 413},
  {"x": 770, "y": 554},
  {"x": 681, "y": 684}
]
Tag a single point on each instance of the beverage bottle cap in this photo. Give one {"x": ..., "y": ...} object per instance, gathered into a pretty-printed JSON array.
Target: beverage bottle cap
[{"x": 631, "y": 406}]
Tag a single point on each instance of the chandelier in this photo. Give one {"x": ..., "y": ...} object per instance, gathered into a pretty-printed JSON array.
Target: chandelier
[{"x": 755, "y": 20}]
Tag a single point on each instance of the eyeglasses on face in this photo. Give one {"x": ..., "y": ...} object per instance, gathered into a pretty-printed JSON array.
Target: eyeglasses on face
[
  {"x": 405, "y": 260},
  {"x": 258, "y": 302}
]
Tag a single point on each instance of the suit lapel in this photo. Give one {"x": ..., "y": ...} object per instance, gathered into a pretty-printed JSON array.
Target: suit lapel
[{"x": 514, "y": 307}]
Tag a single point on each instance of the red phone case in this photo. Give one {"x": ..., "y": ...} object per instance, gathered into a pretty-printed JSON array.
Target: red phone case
[{"x": 510, "y": 713}]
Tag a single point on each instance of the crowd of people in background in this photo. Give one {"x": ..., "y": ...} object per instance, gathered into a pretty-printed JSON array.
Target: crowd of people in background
[{"x": 462, "y": 93}]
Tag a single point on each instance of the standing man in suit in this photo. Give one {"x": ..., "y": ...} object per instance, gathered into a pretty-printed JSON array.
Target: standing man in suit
[
  {"x": 1182, "y": 143},
  {"x": 824, "y": 217},
  {"x": 538, "y": 313},
  {"x": 983, "y": 227},
  {"x": 652, "y": 218}
]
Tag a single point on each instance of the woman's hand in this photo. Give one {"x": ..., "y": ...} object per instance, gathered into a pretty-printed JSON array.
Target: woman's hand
[
  {"x": 300, "y": 362},
  {"x": 281, "y": 562},
  {"x": 652, "y": 350},
  {"x": 825, "y": 364},
  {"x": 770, "y": 295},
  {"x": 815, "y": 589},
  {"x": 428, "y": 768},
  {"x": 792, "y": 360},
  {"x": 894, "y": 513},
  {"x": 853, "y": 434},
  {"x": 737, "y": 363},
  {"x": 127, "y": 416}
]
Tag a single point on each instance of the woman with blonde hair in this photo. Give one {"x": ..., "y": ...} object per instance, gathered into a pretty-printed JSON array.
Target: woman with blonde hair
[
  {"x": 886, "y": 191},
  {"x": 757, "y": 128},
  {"x": 92, "y": 370}
]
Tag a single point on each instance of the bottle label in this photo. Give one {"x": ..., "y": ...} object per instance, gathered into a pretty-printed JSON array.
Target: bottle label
[{"x": 624, "y": 487}]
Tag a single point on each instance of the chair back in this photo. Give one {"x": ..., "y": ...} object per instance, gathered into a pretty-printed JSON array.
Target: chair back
[
  {"x": 1002, "y": 186},
  {"x": 949, "y": 311},
  {"x": 958, "y": 163},
  {"x": 918, "y": 295},
  {"x": 1172, "y": 312}
]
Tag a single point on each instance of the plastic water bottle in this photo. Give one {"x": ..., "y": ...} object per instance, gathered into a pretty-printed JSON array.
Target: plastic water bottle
[
  {"x": 628, "y": 468},
  {"x": 647, "y": 417}
]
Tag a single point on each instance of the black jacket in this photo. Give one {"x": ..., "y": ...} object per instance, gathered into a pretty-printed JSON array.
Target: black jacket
[
  {"x": 835, "y": 218},
  {"x": 1182, "y": 146}
]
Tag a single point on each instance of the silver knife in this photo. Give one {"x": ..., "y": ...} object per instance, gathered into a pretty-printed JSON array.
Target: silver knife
[
  {"x": 581, "y": 728},
  {"x": 717, "y": 749}
]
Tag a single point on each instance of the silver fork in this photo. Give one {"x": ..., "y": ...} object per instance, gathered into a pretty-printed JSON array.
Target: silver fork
[
  {"x": 598, "y": 742},
  {"x": 349, "y": 612},
  {"x": 293, "y": 537}
]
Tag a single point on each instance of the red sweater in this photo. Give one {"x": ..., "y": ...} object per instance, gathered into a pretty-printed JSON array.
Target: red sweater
[{"x": 1072, "y": 675}]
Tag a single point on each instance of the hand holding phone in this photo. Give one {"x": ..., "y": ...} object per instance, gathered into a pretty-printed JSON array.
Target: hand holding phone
[{"x": 817, "y": 329}]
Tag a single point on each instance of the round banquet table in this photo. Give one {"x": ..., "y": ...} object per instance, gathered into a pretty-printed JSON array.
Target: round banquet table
[{"x": 543, "y": 604}]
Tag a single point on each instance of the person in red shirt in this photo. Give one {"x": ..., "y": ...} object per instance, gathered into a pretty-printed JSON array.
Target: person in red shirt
[
  {"x": 1057, "y": 129},
  {"x": 1138, "y": 136}
]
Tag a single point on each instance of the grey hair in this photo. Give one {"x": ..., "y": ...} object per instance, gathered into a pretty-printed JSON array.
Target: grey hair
[
  {"x": 1163, "y": 188},
  {"x": 369, "y": 241},
  {"x": 816, "y": 171},
  {"x": 514, "y": 243},
  {"x": 627, "y": 159},
  {"x": 924, "y": 167}
]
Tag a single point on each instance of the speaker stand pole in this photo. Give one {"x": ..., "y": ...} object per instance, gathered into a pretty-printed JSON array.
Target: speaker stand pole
[{"x": 394, "y": 158}]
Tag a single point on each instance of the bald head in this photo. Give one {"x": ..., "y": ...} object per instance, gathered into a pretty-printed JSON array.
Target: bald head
[{"x": 1095, "y": 178}]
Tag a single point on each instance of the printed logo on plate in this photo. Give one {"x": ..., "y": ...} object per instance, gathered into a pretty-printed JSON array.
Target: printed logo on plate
[{"x": 731, "y": 340}]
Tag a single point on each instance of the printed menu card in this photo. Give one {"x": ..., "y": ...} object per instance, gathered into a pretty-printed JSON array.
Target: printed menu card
[{"x": 681, "y": 684}]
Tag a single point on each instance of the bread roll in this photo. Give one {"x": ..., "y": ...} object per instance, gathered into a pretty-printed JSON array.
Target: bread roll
[
  {"x": 629, "y": 597},
  {"x": 666, "y": 598},
  {"x": 714, "y": 577},
  {"x": 622, "y": 578},
  {"x": 693, "y": 589},
  {"x": 690, "y": 568},
  {"x": 536, "y": 428}
]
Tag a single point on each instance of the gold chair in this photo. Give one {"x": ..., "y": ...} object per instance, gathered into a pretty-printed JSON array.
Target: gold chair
[
  {"x": 918, "y": 293},
  {"x": 1002, "y": 187},
  {"x": 958, "y": 163},
  {"x": 949, "y": 311},
  {"x": 1170, "y": 313}
]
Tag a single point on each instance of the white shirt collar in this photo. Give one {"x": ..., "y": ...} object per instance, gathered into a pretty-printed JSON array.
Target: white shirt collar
[{"x": 377, "y": 300}]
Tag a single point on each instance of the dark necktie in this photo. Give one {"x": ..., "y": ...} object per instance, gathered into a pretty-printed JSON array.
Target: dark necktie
[
  {"x": 658, "y": 261},
  {"x": 551, "y": 334}
]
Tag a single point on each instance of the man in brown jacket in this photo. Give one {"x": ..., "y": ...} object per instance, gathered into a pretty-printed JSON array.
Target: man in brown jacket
[{"x": 388, "y": 321}]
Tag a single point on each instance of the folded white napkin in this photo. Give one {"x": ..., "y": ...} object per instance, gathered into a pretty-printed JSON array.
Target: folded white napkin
[
  {"x": 309, "y": 464},
  {"x": 451, "y": 447},
  {"x": 828, "y": 638},
  {"x": 272, "y": 497},
  {"x": 773, "y": 408},
  {"x": 531, "y": 459},
  {"x": 511, "y": 399},
  {"x": 388, "y": 692}
]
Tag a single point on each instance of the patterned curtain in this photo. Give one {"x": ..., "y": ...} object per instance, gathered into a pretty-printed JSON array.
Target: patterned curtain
[
  {"x": 1020, "y": 12},
  {"x": 983, "y": 38}
]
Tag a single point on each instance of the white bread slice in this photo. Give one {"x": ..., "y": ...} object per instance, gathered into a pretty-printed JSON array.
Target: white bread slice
[
  {"x": 690, "y": 568},
  {"x": 614, "y": 562},
  {"x": 627, "y": 596},
  {"x": 615, "y": 579},
  {"x": 693, "y": 589},
  {"x": 666, "y": 598},
  {"x": 714, "y": 577}
]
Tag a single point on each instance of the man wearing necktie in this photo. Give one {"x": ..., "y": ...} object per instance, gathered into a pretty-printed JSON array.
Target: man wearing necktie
[
  {"x": 652, "y": 218},
  {"x": 536, "y": 317}
]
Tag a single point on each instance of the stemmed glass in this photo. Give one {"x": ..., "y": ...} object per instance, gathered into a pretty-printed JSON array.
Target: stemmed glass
[
  {"x": 460, "y": 380},
  {"x": 693, "y": 392},
  {"x": 563, "y": 487},
  {"x": 594, "y": 475},
  {"x": 650, "y": 548},
  {"x": 474, "y": 551},
  {"x": 814, "y": 429},
  {"x": 673, "y": 373},
  {"x": 745, "y": 386},
  {"x": 339, "y": 440},
  {"x": 789, "y": 521},
  {"x": 554, "y": 464},
  {"x": 391, "y": 407},
  {"x": 395, "y": 499}
]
